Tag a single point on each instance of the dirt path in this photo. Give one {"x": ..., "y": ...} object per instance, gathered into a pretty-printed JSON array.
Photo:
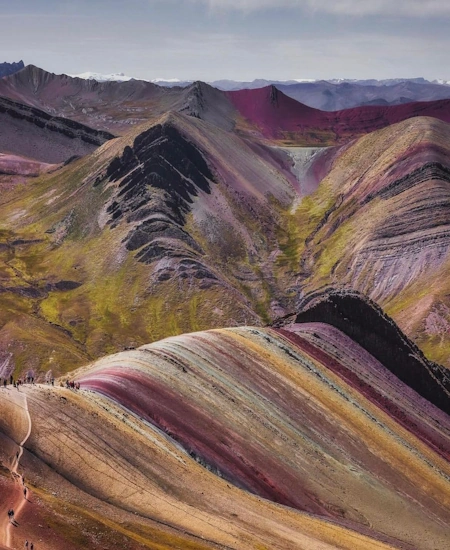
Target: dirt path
[{"x": 18, "y": 501}]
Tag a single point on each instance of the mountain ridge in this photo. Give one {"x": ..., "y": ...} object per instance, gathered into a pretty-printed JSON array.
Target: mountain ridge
[{"x": 116, "y": 106}]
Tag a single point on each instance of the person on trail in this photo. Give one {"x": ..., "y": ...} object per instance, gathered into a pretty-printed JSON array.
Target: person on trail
[
  {"x": 31, "y": 546},
  {"x": 26, "y": 544}
]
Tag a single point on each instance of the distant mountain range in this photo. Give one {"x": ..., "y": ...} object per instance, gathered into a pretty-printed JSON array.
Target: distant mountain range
[
  {"x": 326, "y": 95},
  {"x": 266, "y": 112},
  {"x": 229, "y": 85}
]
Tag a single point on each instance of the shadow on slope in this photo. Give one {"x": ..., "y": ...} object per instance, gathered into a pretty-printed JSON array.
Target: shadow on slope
[
  {"x": 30, "y": 132},
  {"x": 365, "y": 322}
]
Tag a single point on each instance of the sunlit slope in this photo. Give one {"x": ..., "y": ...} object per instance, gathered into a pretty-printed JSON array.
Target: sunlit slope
[
  {"x": 123, "y": 479},
  {"x": 250, "y": 408},
  {"x": 178, "y": 226},
  {"x": 379, "y": 224},
  {"x": 277, "y": 418}
]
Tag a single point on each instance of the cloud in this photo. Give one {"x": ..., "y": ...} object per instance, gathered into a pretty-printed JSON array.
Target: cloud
[{"x": 405, "y": 8}]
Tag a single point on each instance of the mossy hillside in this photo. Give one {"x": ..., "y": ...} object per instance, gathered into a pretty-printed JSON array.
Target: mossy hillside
[
  {"x": 38, "y": 346},
  {"x": 423, "y": 312},
  {"x": 116, "y": 305},
  {"x": 319, "y": 138},
  {"x": 120, "y": 295},
  {"x": 243, "y": 253}
]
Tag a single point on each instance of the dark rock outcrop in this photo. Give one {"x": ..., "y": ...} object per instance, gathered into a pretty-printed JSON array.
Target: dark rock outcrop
[
  {"x": 33, "y": 133},
  {"x": 63, "y": 126},
  {"x": 366, "y": 323},
  {"x": 159, "y": 176}
]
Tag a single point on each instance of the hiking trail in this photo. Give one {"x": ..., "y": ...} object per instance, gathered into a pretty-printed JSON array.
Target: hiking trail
[{"x": 18, "y": 500}]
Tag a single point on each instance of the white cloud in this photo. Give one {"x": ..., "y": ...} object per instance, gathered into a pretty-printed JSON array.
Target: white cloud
[{"x": 412, "y": 8}]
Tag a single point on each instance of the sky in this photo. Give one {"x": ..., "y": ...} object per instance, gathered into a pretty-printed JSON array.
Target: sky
[{"x": 231, "y": 39}]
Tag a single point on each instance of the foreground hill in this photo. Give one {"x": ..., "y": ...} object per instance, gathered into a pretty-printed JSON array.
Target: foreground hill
[
  {"x": 366, "y": 323},
  {"x": 231, "y": 439}
]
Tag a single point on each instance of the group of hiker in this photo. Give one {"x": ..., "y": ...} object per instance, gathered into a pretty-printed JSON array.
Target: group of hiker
[
  {"x": 18, "y": 382},
  {"x": 11, "y": 509},
  {"x": 72, "y": 385},
  {"x": 30, "y": 380}
]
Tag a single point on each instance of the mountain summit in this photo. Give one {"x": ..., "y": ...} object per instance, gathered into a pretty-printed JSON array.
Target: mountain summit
[{"x": 10, "y": 68}]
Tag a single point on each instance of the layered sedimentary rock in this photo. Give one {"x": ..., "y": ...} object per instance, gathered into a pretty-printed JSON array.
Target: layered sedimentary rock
[
  {"x": 380, "y": 226},
  {"x": 162, "y": 219},
  {"x": 366, "y": 323},
  {"x": 233, "y": 437},
  {"x": 32, "y": 133}
]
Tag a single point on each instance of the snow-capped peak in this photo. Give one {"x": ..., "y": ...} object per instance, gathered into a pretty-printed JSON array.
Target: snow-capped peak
[{"x": 118, "y": 77}]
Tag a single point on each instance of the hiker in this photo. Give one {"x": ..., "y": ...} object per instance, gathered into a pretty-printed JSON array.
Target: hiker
[
  {"x": 26, "y": 544},
  {"x": 31, "y": 546}
]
